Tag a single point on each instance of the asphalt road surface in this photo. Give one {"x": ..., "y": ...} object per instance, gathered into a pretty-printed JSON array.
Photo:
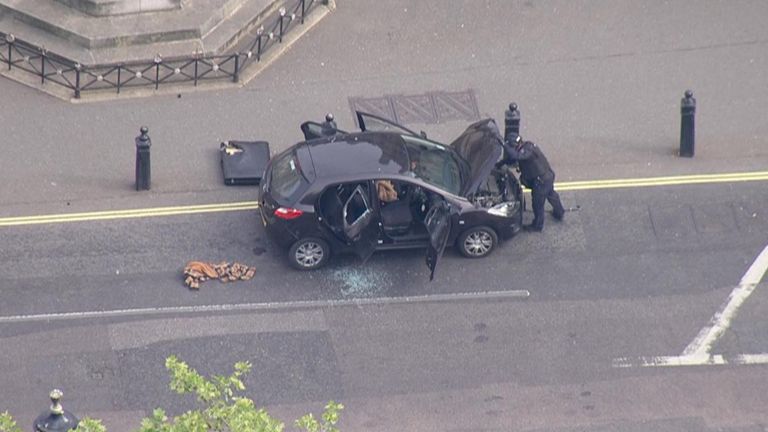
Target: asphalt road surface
[
  {"x": 94, "y": 307},
  {"x": 647, "y": 306}
]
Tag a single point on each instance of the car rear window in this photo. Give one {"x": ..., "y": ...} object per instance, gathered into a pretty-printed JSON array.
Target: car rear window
[{"x": 286, "y": 179}]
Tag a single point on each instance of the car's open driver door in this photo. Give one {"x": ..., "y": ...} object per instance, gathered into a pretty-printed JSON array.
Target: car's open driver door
[{"x": 438, "y": 223}]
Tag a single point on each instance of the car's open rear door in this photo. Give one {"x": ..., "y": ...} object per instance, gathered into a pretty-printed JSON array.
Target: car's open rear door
[
  {"x": 374, "y": 123},
  {"x": 438, "y": 223},
  {"x": 359, "y": 226},
  {"x": 313, "y": 130}
]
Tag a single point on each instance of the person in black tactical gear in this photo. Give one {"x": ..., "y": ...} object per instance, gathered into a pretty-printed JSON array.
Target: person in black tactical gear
[
  {"x": 329, "y": 127},
  {"x": 537, "y": 175}
]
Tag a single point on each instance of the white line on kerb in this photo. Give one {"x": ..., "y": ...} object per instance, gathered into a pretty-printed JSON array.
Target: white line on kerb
[{"x": 308, "y": 304}]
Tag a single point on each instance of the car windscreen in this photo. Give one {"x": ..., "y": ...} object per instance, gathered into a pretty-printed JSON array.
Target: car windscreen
[
  {"x": 434, "y": 163},
  {"x": 286, "y": 179}
]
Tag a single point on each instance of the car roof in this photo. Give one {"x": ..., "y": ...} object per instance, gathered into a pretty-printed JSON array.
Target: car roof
[{"x": 361, "y": 155}]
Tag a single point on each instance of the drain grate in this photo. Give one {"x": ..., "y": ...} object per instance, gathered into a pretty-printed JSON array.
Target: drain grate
[{"x": 425, "y": 108}]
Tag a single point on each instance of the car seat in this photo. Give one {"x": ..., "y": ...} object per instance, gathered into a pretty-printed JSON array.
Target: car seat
[{"x": 396, "y": 217}]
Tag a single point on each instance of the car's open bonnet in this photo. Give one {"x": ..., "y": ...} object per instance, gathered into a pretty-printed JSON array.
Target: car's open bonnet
[{"x": 481, "y": 146}]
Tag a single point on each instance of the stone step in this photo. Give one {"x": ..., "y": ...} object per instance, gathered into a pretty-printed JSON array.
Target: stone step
[
  {"x": 195, "y": 19},
  {"x": 203, "y": 30},
  {"x": 62, "y": 87},
  {"x": 117, "y": 7}
]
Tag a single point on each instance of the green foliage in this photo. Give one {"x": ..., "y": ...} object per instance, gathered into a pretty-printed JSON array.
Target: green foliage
[
  {"x": 7, "y": 424},
  {"x": 330, "y": 417},
  {"x": 220, "y": 408},
  {"x": 88, "y": 424}
]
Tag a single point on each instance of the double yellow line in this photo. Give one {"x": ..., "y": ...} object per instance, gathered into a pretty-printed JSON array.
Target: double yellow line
[
  {"x": 252, "y": 205},
  {"x": 128, "y": 214},
  {"x": 663, "y": 181}
]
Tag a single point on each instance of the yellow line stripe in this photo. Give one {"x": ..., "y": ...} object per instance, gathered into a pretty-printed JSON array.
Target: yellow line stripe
[
  {"x": 252, "y": 205},
  {"x": 674, "y": 178},
  {"x": 659, "y": 181},
  {"x": 144, "y": 210},
  {"x": 128, "y": 214}
]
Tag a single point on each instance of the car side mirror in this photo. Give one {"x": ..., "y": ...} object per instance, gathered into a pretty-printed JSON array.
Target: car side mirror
[{"x": 423, "y": 134}]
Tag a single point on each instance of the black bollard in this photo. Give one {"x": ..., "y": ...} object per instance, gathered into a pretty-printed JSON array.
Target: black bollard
[
  {"x": 687, "y": 114},
  {"x": 329, "y": 127},
  {"x": 511, "y": 120},
  {"x": 55, "y": 419},
  {"x": 143, "y": 173}
]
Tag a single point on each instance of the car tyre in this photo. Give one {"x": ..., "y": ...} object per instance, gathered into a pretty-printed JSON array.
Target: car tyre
[
  {"x": 309, "y": 253},
  {"x": 477, "y": 242}
]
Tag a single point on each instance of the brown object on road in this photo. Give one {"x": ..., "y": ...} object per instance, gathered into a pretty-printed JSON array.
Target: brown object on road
[{"x": 198, "y": 271}]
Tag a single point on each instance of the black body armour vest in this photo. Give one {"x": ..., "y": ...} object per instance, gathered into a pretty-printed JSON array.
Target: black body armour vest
[{"x": 537, "y": 166}]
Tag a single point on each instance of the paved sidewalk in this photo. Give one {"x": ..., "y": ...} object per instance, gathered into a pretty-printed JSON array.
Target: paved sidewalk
[{"x": 598, "y": 83}]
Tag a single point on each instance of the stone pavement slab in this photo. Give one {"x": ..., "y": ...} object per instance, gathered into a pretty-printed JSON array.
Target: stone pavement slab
[
  {"x": 602, "y": 100},
  {"x": 208, "y": 26}
]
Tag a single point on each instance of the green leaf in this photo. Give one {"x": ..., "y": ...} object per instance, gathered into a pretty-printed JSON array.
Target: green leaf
[
  {"x": 242, "y": 368},
  {"x": 8, "y": 424},
  {"x": 308, "y": 423},
  {"x": 88, "y": 424},
  {"x": 191, "y": 421},
  {"x": 220, "y": 410},
  {"x": 157, "y": 423}
]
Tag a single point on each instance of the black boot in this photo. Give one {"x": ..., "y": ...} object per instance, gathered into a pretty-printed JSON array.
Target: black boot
[{"x": 533, "y": 228}]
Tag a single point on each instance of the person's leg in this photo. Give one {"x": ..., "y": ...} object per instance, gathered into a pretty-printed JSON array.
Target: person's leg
[
  {"x": 538, "y": 197},
  {"x": 558, "y": 212}
]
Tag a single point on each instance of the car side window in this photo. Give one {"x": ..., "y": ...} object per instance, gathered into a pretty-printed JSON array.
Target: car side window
[
  {"x": 357, "y": 213},
  {"x": 311, "y": 130},
  {"x": 286, "y": 177},
  {"x": 434, "y": 163},
  {"x": 347, "y": 208},
  {"x": 357, "y": 207}
]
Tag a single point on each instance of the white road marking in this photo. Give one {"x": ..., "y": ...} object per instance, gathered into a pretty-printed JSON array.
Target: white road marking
[
  {"x": 309, "y": 304},
  {"x": 692, "y": 360},
  {"x": 720, "y": 322},
  {"x": 697, "y": 353},
  {"x": 753, "y": 358}
]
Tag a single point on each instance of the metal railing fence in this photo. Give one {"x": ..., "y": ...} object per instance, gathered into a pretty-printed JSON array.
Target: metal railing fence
[{"x": 17, "y": 54}]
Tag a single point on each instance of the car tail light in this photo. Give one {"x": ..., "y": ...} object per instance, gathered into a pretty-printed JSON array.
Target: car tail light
[{"x": 287, "y": 213}]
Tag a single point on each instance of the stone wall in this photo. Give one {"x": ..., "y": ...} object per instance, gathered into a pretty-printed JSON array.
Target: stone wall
[{"x": 119, "y": 7}]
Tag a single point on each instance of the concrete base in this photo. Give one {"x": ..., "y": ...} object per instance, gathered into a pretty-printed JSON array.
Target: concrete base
[
  {"x": 118, "y": 7},
  {"x": 207, "y": 26},
  {"x": 248, "y": 74}
]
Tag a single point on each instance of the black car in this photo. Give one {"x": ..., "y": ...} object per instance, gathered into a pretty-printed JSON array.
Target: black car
[{"x": 386, "y": 188}]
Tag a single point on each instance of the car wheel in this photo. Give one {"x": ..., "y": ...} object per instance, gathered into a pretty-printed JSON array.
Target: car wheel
[
  {"x": 309, "y": 254},
  {"x": 477, "y": 242}
]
